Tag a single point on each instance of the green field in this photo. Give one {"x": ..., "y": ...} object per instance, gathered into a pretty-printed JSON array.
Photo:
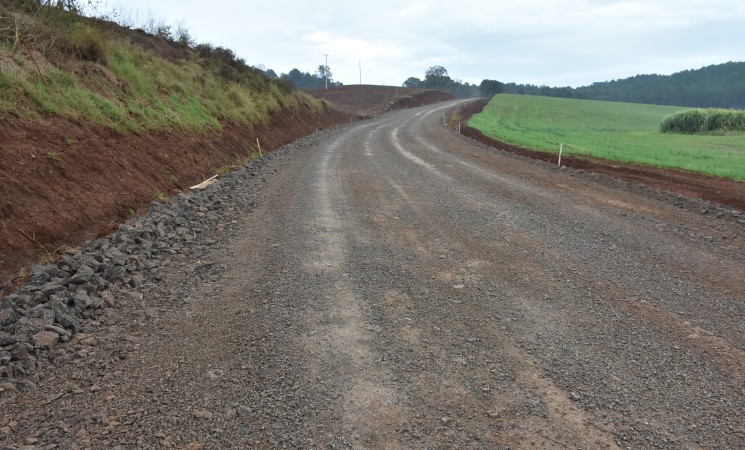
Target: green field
[{"x": 626, "y": 132}]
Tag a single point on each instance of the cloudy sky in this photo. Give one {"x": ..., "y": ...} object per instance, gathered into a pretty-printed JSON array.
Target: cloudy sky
[{"x": 543, "y": 42}]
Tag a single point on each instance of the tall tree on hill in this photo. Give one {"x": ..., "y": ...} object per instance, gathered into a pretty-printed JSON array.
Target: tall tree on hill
[
  {"x": 436, "y": 77},
  {"x": 412, "y": 82},
  {"x": 324, "y": 72},
  {"x": 490, "y": 88}
]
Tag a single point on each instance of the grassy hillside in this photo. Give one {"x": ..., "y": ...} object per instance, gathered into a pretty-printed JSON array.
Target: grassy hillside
[
  {"x": 625, "y": 132},
  {"x": 55, "y": 63}
]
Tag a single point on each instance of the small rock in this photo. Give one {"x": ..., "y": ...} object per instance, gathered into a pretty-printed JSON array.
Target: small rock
[
  {"x": 574, "y": 396},
  {"x": 7, "y": 316},
  {"x": 83, "y": 275},
  {"x": 46, "y": 339},
  {"x": 7, "y": 339},
  {"x": 203, "y": 415},
  {"x": 194, "y": 446}
]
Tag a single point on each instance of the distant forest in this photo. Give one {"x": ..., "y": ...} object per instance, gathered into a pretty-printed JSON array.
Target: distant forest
[{"x": 716, "y": 86}]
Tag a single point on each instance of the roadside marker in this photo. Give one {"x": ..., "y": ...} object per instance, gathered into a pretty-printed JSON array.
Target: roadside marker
[{"x": 561, "y": 147}]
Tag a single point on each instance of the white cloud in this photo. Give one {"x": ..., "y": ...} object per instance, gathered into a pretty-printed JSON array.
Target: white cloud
[{"x": 564, "y": 42}]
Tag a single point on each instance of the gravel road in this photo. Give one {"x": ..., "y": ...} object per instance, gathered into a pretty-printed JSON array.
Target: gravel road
[{"x": 390, "y": 284}]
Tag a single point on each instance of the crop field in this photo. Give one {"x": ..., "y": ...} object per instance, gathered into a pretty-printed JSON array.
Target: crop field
[{"x": 624, "y": 132}]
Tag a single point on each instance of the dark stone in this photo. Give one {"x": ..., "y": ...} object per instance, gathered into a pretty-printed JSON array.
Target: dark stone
[
  {"x": 115, "y": 274},
  {"x": 51, "y": 289},
  {"x": 83, "y": 275},
  {"x": 7, "y": 339},
  {"x": 8, "y": 316},
  {"x": 42, "y": 312},
  {"x": 64, "y": 315},
  {"x": 14, "y": 300}
]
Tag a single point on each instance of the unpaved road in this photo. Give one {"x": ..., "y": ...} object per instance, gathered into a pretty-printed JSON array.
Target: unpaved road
[{"x": 399, "y": 287}]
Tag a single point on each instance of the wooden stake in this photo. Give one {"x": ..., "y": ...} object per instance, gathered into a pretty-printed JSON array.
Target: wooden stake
[
  {"x": 259, "y": 145},
  {"x": 561, "y": 147}
]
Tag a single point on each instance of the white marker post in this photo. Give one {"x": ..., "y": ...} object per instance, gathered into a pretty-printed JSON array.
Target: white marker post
[
  {"x": 561, "y": 147},
  {"x": 259, "y": 146}
]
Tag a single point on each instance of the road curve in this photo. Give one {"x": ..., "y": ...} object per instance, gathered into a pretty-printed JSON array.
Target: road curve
[{"x": 398, "y": 286}]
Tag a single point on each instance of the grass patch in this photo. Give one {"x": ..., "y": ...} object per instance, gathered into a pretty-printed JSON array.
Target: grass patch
[{"x": 625, "y": 132}]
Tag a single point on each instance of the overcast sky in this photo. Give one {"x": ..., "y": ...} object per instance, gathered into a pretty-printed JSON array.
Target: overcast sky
[{"x": 543, "y": 42}]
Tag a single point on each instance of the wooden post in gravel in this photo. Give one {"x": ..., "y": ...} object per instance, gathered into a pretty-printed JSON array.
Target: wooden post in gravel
[{"x": 561, "y": 147}]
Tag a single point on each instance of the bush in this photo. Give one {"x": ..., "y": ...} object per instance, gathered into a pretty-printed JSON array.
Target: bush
[
  {"x": 85, "y": 44},
  {"x": 696, "y": 121}
]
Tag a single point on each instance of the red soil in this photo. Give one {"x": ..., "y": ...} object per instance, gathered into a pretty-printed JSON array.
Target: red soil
[
  {"x": 64, "y": 181},
  {"x": 369, "y": 100}
]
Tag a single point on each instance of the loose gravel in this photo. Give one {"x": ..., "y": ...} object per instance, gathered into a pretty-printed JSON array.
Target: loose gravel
[{"x": 364, "y": 288}]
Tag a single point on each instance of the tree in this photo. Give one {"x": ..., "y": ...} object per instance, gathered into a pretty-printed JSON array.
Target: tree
[
  {"x": 490, "y": 88},
  {"x": 412, "y": 82},
  {"x": 436, "y": 77},
  {"x": 436, "y": 72},
  {"x": 324, "y": 72}
]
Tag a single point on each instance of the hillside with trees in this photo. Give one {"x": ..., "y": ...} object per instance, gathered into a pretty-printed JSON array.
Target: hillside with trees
[
  {"x": 437, "y": 77},
  {"x": 306, "y": 80},
  {"x": 720, "y": 86}
]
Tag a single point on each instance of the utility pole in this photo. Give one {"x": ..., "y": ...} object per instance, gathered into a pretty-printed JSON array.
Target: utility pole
[{"x": 326, "y": 71}]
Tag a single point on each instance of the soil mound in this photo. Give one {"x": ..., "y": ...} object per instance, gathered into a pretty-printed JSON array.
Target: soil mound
[{"x": 369, "y": 100}]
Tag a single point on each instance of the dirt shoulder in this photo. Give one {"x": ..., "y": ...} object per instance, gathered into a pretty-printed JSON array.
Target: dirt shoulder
[
  {"x": 719, "y": 190},
  {"x": 65, "y": 181}
]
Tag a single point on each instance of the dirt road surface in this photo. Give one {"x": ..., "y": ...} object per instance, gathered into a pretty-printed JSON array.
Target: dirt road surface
[{"x": 397, "y": 286}]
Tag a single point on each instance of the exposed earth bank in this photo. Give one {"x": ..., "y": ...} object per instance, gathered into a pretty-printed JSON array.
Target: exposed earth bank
[
  {"x": 369, "y": 101},
  {"x": 65, "y": 181}
]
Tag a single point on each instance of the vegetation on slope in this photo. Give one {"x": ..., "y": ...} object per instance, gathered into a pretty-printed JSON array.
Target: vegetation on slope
[
  {"x": 55, "y": 62},
  {"x": 625, "y": 132}
]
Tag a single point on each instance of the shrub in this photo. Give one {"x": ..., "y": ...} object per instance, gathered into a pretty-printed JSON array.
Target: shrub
[{"x": 696, "y": 121}]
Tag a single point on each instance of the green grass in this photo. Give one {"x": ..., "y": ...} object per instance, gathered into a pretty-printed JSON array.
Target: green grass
[{"x": 625, "y": 132}]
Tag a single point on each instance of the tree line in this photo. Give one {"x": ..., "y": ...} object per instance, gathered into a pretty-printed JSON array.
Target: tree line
[
  {"x": 437, "y": 77},
  {"x": 305, "y": 80},
  {"x": 715, "y": 86}
]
